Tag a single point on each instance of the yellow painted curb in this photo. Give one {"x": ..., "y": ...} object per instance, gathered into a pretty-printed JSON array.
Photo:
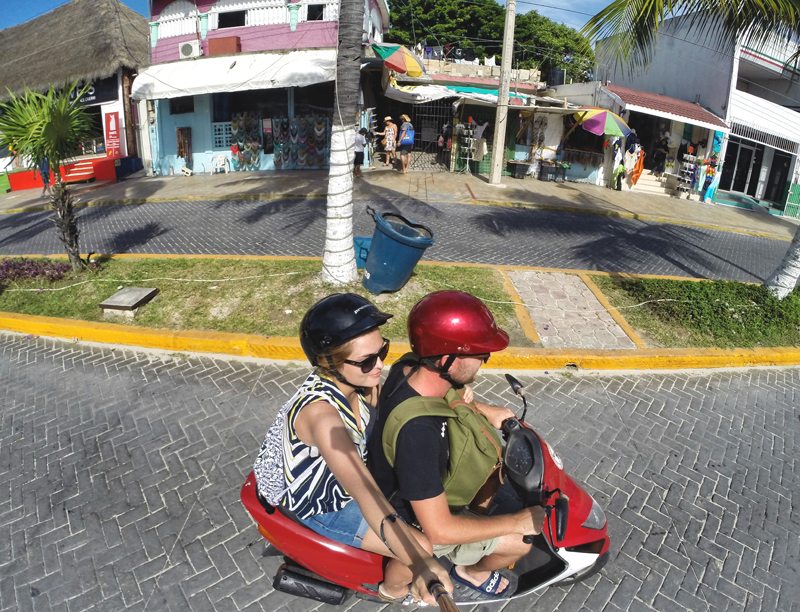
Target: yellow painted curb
[
  {"x": 246, "y": 345},
  {"x": 615, "y": 314},
  {"x": 523, "y": 316}
]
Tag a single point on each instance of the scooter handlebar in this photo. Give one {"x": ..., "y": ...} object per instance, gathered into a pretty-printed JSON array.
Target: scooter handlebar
[{"x": 446, "y": 603}]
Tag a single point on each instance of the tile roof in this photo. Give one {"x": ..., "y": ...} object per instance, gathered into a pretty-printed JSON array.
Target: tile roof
[{"x": 664, "y": 104}]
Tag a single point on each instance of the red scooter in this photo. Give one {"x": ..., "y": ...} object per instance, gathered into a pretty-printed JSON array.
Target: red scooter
[{"x": 572, "y": 546}]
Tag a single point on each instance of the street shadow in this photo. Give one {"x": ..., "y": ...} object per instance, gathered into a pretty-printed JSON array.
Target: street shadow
[
  {"x": 24, "y": 227},
  {"x": 297, "y": 214},
  {"x": 621, "y": 240},
  {"x": 127, "y": 240}
]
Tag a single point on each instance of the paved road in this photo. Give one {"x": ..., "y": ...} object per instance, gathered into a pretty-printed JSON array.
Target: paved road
[
  {"x": 120, "y": 471},
  {"x": 482, "y": 234}
]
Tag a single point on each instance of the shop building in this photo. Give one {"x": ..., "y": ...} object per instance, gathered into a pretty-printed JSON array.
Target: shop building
[
  {"x": 754, "y": 89},
  {"x": 102, "y": 43},
  {"x": 243, "y": 84},
  {"x": 441, "y": 104}
]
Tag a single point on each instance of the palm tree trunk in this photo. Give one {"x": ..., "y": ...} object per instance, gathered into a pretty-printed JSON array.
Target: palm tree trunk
[
  {"x": 339, "y": 258},
  {"x": 64, "y": 207},
  {"x": 784, "y": 278}
]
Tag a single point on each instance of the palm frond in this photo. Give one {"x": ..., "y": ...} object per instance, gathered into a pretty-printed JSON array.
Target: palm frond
[{"x": 631, "y": 27}]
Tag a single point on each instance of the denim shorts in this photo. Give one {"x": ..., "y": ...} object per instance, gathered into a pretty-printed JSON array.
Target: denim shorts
[{"x": 346, "y": 526}]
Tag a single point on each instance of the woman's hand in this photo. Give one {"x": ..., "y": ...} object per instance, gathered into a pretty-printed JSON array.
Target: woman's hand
[
  {"x": 426, "y": 571},
  {"x": 468, "y": 395}
]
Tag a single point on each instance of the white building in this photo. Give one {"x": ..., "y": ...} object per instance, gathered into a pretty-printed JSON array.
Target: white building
[{"x": 756, "y": 91}]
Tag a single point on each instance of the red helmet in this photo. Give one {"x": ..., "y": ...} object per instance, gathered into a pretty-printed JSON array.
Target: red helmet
[{"x": 453, "y": 323}]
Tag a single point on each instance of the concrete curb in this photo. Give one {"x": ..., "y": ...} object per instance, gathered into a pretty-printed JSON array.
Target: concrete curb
[{"x": 246, "y": 345}]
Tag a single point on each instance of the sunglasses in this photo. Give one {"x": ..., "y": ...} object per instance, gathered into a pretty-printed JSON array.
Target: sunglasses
[
  {"x": 368, "y": 364},
  {"x": 483, "y": 357}
]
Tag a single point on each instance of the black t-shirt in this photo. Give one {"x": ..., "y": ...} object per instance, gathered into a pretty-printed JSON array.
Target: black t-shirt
[{"x": 422, "y": 450}]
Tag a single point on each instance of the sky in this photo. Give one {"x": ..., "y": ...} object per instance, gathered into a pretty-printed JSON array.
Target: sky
[
  {"x": 19, "y": 11},
  {"x": 570, "y": 12}
]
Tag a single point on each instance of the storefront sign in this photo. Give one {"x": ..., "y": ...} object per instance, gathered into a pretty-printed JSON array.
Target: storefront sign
[
  {"x": 112, "y": 135},
  {"x": 104, "y": 90}
]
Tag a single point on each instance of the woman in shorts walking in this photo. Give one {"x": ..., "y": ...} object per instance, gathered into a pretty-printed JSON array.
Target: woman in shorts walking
[{"x": 389, "y": 134}]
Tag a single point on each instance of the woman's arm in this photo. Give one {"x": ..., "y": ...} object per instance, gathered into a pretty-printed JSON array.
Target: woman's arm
[{"x": 320, "y": 425}]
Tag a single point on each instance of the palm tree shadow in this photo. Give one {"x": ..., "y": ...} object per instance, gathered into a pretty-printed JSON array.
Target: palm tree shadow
[
  {"x": 298, "y": 215},
  {"x": 621, "y": 242},
  {"x": 130, "y": 239}
]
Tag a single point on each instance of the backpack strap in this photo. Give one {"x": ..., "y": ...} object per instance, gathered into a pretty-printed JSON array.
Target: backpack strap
[
  {"x": 455, "y": 399},
  {"x": 410, "y": 409}
]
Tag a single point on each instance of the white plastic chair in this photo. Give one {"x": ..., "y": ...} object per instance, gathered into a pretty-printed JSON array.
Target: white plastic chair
[{"x": 220, "y": 162}]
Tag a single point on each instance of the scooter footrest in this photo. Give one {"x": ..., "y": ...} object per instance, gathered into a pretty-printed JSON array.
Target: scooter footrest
[{"x": 293, "y": 583}]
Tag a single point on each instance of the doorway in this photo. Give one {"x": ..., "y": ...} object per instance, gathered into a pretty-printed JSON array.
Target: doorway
[
  {"x": 742, "y": 167},
  {"x": 778, "y": 177}
]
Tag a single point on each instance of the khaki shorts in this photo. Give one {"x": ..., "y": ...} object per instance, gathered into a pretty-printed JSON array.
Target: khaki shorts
[{"x": 466, "y": 554}]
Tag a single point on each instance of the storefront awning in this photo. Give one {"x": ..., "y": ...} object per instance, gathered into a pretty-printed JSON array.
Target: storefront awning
[
  {"x": 667, "y": 108},
  {"x": 419, "y": 94},
  {"x": 763, "y": 121},
  {"x": 207, "y": 75}
]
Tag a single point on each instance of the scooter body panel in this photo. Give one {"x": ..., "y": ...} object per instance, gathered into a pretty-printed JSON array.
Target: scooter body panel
[{"x": 350, "y": 567}]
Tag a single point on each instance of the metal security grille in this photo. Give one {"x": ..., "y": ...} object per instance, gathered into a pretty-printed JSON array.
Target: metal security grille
[
  {"x": 429, "y": 120},
  {"x": 751, "y": 133}
]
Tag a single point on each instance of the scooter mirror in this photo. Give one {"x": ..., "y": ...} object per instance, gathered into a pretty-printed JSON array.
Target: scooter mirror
[
  {"x": 516, "y": 386},
  {"x": 562, "y": 514}
]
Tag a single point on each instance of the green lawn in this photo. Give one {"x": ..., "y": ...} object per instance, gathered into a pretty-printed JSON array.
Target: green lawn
[
  {"x": 261, "y": 297},
  {"x": 686, "y": 314}
]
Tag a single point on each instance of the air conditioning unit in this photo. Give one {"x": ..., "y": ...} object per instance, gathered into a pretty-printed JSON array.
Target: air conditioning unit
[{"x": 190, "y": 48}]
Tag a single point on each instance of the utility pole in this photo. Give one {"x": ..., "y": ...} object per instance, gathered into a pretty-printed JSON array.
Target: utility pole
[{"x": 501, "y": 119}]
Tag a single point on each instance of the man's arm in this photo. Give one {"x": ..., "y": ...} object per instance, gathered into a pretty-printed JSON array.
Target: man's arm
[
  {"x": 444, "y": 528},
  {"x": 494, "y": 414}
]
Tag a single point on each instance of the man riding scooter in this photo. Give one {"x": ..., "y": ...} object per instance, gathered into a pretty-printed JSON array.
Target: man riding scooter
[{"x": 436, "y": 457}]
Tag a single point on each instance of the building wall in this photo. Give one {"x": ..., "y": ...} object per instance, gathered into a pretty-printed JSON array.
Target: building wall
[
  {"x": 308, "y": 35},
  {"x": 679, "y": 69},
  {"x": 275, "y": 32}
]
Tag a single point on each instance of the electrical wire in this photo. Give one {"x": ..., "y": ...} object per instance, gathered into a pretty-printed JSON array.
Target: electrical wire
[{"x": 142, "y": 280}]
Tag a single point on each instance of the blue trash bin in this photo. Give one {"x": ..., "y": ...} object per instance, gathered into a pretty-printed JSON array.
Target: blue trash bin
[
  {"x": 397, "y": 246},
  {"x": 362, "y": 244}
]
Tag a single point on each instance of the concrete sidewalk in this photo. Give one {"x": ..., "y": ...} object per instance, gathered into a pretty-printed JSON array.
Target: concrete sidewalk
[{"x": 379, "y": 184}]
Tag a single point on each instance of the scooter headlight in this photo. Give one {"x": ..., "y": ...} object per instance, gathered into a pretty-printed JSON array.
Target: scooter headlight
[{"x": 596, "y": 518}]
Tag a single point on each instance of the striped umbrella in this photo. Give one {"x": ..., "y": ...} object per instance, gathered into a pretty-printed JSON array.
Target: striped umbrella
[
  {"x": 399, "y": 59},
  {"x": 601, "y": 121}
]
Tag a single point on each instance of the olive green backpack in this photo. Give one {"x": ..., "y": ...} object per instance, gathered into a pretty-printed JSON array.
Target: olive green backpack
[{"x": 475, "y": 448}]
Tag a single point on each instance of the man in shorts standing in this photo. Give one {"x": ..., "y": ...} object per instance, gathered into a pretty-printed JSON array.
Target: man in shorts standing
[
  {"x": 361, "y": 142},
  {"x": 452, "y": 334}
]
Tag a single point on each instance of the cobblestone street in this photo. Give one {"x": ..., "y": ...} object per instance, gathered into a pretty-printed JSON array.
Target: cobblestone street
[
  {"x": 463, "y": 232},
  {"x": 120, "y": 474}
]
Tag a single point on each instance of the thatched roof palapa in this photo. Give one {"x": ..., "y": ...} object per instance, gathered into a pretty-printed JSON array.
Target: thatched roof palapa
[{"x": 83, "y": 40}]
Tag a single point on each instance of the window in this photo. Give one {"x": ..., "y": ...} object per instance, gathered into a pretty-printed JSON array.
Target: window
[
  {"x": 179, "y": 106},
  {"x": 232, "y": 19},
  {"x": 315, "y": 12}
]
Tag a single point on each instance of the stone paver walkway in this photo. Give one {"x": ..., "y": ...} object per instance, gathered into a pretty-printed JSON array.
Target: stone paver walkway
[
  {"x": 120, "y": 474},
  {"x": 565, "y": 312}
]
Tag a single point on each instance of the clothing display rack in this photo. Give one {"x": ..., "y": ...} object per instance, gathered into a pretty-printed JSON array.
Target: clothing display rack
[
  {"x": 686, "y": 173},
  {"x": 466, "y": 145}
]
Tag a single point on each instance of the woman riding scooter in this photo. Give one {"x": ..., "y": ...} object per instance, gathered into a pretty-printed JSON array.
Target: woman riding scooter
[{"x": 313, "y": 460}]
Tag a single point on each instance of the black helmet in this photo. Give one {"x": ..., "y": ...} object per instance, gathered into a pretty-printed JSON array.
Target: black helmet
[{"x": 336, "y": 319}]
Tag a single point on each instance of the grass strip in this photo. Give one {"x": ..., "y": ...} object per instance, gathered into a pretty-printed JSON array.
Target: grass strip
[
  {"x": 270, "y": 304},
  {"x": 706, "y": 314}
]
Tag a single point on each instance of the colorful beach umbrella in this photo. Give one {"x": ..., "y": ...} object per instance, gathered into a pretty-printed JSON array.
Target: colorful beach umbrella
[
  {"x": 399, "y": 59},
  {"x": 601, "y": 121}
]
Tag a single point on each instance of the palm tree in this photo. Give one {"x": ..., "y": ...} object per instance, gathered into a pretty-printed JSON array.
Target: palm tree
[
  {"x": 50, "y": 127},
  {"x": 339, "y": 258},
  {"x": 634, "y": 26}
]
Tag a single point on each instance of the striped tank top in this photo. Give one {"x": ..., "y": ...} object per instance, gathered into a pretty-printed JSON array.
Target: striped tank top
[{"x": 312, "y": 487}]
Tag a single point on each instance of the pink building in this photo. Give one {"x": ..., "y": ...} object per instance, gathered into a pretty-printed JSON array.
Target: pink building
[{"x": 243, "y": 84}]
